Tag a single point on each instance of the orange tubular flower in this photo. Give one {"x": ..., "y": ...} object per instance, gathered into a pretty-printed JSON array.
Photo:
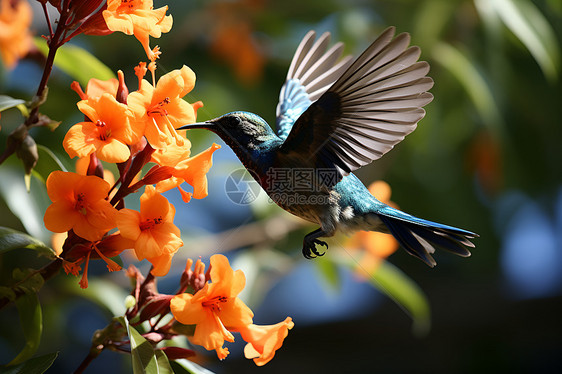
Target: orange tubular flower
[
  {"x": 79, "y": 204},
  {"x": 137, "y": 17},
  {"x": 215, "y": 308},
  {"x": 264, "y": 341},
  {"x": 161, "y": 109},
  {"x": 107, "y": 133},
  {"x": 155, "y": 236},
  {"x": 15, "y": 38},
  {"x": 191, "y": 170}
]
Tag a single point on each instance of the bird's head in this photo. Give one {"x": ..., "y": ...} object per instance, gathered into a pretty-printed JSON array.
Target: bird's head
[{"x": 238, "y": 129}]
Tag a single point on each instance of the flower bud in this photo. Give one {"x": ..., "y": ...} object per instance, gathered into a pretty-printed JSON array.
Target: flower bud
[
  {"x": 122, "y": 90},
  {"x": 130, "y": 301}
]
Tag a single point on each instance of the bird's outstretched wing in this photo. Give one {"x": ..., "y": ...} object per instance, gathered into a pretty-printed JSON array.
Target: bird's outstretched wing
[
  {"x": 313, "y": 70},
  {"x": 375, "y": 103}
]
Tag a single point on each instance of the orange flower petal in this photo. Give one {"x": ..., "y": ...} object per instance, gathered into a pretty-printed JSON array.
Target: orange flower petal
[
  {"x": 60, "y": 185},
  {"x": 161, "y": 264},
  {"x": 185, "y": 311},
  {"x": 264, "y": 341},
  {"x": 154, "y": 205},
  {"x": 128, "y": 222},
  {"x": 85, "y": 230},
  {"x": 113, "y": 151},
  {"x": 194, "y": 170},
  {"x": 76, "y": 141},
  {"x": 235, "y": 314},
  {"x": 60, "y": 216},
  {"x": 97, "y": 87}
]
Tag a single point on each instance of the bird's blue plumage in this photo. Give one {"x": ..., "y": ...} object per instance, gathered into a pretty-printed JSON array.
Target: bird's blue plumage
[
  {"x": 333, "y": 118},
  {"x": 292, "y": 103}
]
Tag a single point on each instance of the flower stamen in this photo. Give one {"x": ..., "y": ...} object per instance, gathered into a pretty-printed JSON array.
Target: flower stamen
[
  {"x": 149, "y": 223},
  {"x": 213, "y": 303},
  {"x": 80, "y": 205},
  {"x": 158, "y": 108}
]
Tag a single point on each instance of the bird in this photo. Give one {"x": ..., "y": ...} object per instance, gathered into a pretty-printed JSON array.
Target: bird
[{"x": 336, "y": 114}]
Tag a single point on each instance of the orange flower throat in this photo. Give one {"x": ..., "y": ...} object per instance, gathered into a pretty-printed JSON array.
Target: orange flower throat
[
  {"x": 130, "y": 4},
  {"x": 80, "y": 205},
  {"x": 149, "y": 223},
  {"x": 102, "y": 135},
  {"x": 214, "y": 303},
  {"x": 158, "y": 108}
]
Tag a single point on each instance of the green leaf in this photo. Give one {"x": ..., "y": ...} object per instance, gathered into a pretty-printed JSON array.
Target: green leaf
[
  {"x": 526, "y": 21},
  {"x": 32, "y": 325},
  {"x": 102, "y": 292},
  {"x": 37, "y": 365},
  {"x": 48, "y": 162},
  {"x": 28, "y": 207},
  {"x": 189, "y": 367},
  {"x": 12, "y": 239},
  {"x": 7, "y": 102},
  {"x": 75, "y": 61},
  {"x": 143, "y": 355},
  {"x": 28, "y": 280},
  {"x": 406, "y": 293}
]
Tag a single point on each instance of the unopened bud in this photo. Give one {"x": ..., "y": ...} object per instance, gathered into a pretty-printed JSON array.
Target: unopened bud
[
  {"x": 130, "y": 302},
  {"x": 95, "y": 167},
  {"x": 122, "y": 90},
  {"x": 198, "y": 281},
  {"x": 27, "y": 152},
  {"x": 157, "y": 174}
]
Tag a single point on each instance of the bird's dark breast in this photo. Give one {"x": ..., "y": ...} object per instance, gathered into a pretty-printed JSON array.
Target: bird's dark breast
[{"x": 298, "y": 196}]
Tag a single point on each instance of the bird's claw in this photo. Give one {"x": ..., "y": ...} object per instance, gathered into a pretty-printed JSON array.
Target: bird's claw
[{"x": 309, "y": 250}]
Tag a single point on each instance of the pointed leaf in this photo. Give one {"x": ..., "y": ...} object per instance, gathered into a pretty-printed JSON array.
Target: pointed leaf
[
  {"x": 32, "y": 325},
  {"x": 102, "y": 292},
  {"x": 7, "y": 102},
  {"x": 48, "y": 162},
  {"x": 77, "y": 62},
  {"x": 28, "y": 280},
  {"x": 145, "y": 359},
  {"x": 526, "y": 21},
  {"x": 37, "y": 365},
  {"x": 189, "y": 367},
  {"x": 12, "y": 239},
  {"x": 29, "y": 208},
  {"x": 473, "y": 82}
]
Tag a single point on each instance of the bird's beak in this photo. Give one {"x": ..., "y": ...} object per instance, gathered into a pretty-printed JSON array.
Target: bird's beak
[{"x": 198, "y": 125}]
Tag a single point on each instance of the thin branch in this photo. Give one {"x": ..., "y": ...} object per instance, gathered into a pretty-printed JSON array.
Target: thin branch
[{"x": 47, "y": 18}]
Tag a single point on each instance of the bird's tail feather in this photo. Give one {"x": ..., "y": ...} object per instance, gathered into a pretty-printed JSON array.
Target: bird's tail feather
[{"x": 420, "y": 237}]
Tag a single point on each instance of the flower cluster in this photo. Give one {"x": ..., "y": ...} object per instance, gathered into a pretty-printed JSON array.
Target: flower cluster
[
  {"x": 88, "y": 214},
  {"x": 131, "y": 130},
  {"x": 216, "y": 311},
  {"x": 212, "y": 306}
]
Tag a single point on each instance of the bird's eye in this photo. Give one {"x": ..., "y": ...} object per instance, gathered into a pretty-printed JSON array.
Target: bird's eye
[{"x": 235, "y": 121}]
